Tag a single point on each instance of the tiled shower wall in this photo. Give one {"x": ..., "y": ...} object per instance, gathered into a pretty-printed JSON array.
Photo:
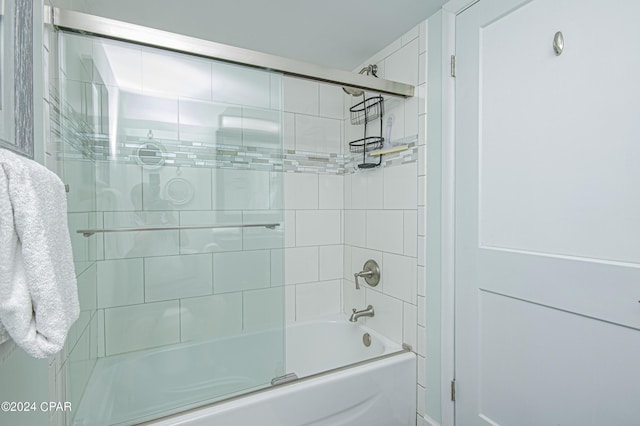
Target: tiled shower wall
[
  {"x": 385, "y": 209},
  {"x": 313, "y": 125},
  {"x": 382, "y": 209},
  {"x": 335, "y": 216},
  {"x": 163, "y": 287},
  {"x": 69, "y": 371}
]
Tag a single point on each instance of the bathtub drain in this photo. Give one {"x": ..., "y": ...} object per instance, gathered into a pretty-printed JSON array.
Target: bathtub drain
[{"x": 366, "y": 339}]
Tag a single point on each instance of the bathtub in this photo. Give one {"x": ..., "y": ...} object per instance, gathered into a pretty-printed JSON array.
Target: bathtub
[{"x": 340, "y": 381}]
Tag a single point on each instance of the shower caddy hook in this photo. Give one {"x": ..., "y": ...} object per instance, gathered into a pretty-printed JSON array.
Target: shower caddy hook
[{"x": 364, "y": 112}]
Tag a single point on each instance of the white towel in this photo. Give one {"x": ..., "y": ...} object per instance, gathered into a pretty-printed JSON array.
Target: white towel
[{"x": 38, "y": 289}]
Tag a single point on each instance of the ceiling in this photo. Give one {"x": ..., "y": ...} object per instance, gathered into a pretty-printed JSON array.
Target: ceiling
[{"x": 336, "y": 33}]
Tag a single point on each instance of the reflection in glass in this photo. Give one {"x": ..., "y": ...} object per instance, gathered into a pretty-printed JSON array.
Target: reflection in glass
[{"x": 153, "y": 138}]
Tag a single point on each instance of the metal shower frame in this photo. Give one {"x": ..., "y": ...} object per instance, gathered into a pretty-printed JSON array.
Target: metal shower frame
[{"x": 109, "y": 28}]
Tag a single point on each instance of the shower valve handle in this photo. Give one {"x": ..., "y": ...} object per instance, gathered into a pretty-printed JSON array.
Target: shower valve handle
[
  {"x": 370, "y": 272},
  {"x": 361, "y": 274}
]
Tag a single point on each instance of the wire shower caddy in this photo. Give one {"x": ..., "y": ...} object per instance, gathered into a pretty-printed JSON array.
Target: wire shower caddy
[{"x": 364, "y": 112}]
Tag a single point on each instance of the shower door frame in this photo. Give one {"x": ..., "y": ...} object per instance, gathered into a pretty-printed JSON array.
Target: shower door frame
[
  {"x": 124, "y": 31},
  {"x": 279, "y": 327}
]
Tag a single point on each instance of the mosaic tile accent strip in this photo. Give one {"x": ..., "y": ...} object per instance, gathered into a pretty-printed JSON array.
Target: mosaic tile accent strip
[{"x": 78, "y": 140}]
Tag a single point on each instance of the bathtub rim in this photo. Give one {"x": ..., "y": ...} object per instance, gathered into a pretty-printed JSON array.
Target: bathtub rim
[{"x": 405, "y": 350}]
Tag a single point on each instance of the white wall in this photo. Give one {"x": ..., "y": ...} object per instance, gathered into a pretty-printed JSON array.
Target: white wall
[{"x": 434, "y": 195}]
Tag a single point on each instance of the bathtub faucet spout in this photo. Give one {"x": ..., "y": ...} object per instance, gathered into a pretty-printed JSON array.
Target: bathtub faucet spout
[{"x": 363, "y": 313}]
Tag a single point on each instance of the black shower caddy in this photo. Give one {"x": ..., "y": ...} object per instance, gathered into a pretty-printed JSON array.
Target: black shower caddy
[{"x": 364, "y": 112}]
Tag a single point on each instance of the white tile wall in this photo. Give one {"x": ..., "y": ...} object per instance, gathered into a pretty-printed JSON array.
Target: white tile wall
[
  {"x": 140, "y": 244},
  {"x": 240, "y": 271},
  {"x": 402, "y": 65},
  {"x": 120, "y": 282},
  {"x": 207, "y": 121},
  {"x": 421, "y": 400},
  {"x": 409, "y": 327},
  {"x": 301, "y": 265},
  {"x": 118, "y": 187},
  {"x": 300, "y": 191},
  {"x": 375, "y": 187},
  {"x": 81, "y": 196},
  {"x": 318, "y": 299},
  {"x": 388, "y": 319},
  {"x": 87, "y": 289},
  {"x": 239, "y": 189},
  {"x": 210, "y": 240},
  {"x": 330, "y": 262},
  {"x": 131, "y": 328},
  {"x": 143, "y": 107},
  {"x": 210, "y": 316},
  {"x": 289, "y": 131},
  {"x": 159, "y": 71},
  {"x": 318, "y": 227},
  {"x": 385, "y": 212},
  {"x": 410, "y": 233},
  {"x": 263, "y": 309},
  {"x": 356, "y": 227},
  {"x": 301, "y": 96},
  {"x": 399, "y": 277},
  {"x": 290, "y": 228},
  {"x": 277, "y": 268},
  {"x": 263, "y": 238},
  {"x": 352, "y": 298},
  {"x": 367, "y": 189},
  {"x": 385, "y": 230},
  {"x": 176, "y": 188},
  {"x": 72, "y": 49},
  {"x": 400, "y": 187},
  {"x": 317, "y": 134},
  {"x": 234, "y": 84},
  {"x": 177, "y": 277},
  {"x": 330, "y": 192},
  {"x": 69, "y": 370},
  {"x": 331, "y": 102},
  {"x": 105, "y": 53},
  {"x": 260, "y": 127}
]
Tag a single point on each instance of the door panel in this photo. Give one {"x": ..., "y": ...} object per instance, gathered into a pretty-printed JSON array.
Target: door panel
[
  {"x": 547, "y": 213},
  {"x": 550, "y": 171},
  {"x": 544, "y": 366}
]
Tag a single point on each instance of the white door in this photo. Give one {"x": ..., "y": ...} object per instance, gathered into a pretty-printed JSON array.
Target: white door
[{"x": 548, "y": 213}]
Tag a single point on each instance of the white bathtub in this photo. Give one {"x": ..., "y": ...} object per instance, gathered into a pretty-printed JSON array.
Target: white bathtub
[{"x": 377, "y": 389}]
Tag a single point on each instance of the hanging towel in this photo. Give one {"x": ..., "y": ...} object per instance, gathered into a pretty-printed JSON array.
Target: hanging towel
[{"x": 38, "y": 290}]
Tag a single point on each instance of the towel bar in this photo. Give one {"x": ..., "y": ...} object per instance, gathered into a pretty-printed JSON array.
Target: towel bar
[{"x": 90, "y": 232}]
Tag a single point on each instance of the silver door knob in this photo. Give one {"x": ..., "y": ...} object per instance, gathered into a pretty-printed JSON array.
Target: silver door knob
[{"x": 558, "y": 43}]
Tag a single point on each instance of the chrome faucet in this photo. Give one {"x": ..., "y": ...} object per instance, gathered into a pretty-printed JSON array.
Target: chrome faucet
[{"x": 364, "y": 313}]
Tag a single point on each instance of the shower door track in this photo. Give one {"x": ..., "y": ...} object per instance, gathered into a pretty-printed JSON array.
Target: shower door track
[{"x": 124, "y": 31}]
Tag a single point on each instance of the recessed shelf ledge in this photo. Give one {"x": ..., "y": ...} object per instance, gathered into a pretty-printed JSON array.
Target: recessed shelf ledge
[{"x": 389, "y": 150}]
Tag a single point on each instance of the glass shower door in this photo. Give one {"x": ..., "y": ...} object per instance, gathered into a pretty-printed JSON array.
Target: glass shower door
[{"x": 180, "y": 159}]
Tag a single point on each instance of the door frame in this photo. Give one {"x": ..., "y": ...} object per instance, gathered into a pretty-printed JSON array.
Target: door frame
[
  {"x": 447, "y": 212},
  {"x": 447, "y": 208}
]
